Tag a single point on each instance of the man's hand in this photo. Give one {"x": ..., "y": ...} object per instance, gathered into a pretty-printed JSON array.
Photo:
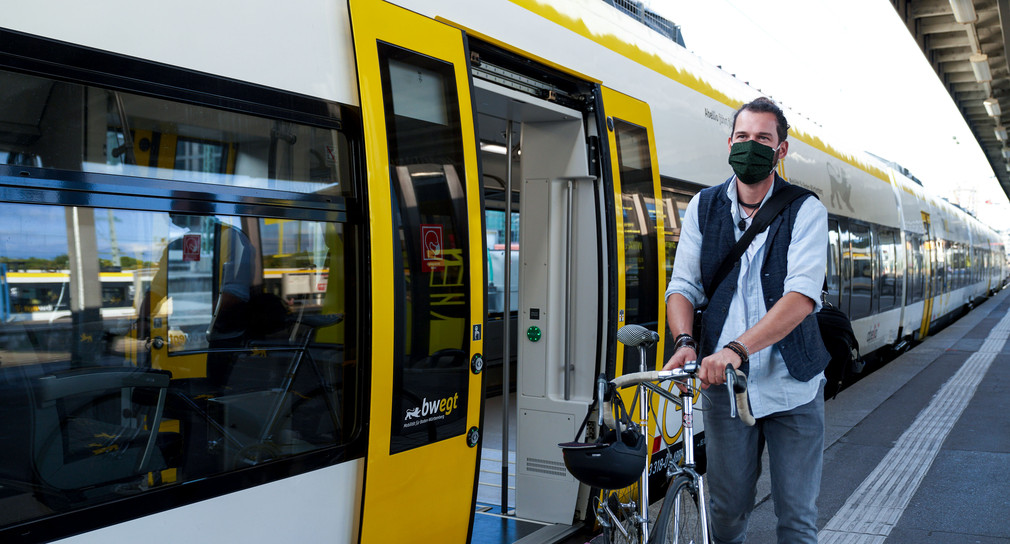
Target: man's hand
[
  {"x": 712, "y": 370},
  {"x": 680, "y": 357}
]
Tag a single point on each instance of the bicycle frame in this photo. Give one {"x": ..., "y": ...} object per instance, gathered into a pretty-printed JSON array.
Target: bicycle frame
[
  {"x": 686, "y": 402},
  {"x": 687, "y": 440},
  {"x": 684, "y": 476}
]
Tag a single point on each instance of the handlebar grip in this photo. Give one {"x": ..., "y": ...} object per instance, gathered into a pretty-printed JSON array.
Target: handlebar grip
[
  {"x": 739, "y": 404},
  {"x": 639, "y": 377}
]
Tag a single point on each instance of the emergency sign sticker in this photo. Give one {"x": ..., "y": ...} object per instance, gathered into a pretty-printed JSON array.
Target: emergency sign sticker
[
  {"x": 191, "y": 247},
  {"x": 431, "y": 247}
]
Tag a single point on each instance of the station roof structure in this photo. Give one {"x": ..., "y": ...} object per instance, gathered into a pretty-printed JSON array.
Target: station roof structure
[{"x": 967, "y": 44}]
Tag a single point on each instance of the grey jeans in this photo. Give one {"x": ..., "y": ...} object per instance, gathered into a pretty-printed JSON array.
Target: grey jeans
[{"x": 795, "y": 440}]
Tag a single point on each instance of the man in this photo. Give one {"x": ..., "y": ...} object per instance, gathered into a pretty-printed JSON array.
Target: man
[{"x": 759, "y": 319}]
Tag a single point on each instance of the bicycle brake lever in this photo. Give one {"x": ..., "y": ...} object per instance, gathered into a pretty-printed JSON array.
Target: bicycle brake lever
[
  {"x": 739, "y": 404},
  {"x": 731, "y": 387}
]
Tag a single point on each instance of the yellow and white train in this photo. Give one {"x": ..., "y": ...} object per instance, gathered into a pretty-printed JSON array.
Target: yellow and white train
[{"x": 323, "y": 205}]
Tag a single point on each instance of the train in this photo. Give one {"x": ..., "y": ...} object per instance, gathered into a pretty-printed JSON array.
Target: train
[{"x": 293, "y": 257}]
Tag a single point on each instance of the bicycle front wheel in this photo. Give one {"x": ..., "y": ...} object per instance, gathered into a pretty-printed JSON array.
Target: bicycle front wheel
[{"x": 682, "y": 515}]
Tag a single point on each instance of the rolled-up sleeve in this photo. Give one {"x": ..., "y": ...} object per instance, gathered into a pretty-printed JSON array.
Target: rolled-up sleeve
[
  {"x": 686, "y": 277},
  {"x": 808, "y": 255}
]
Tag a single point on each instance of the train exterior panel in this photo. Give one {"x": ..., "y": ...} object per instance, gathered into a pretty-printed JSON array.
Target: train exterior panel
[
  {"x": 309, "y": 54},
  {"x": 254, "y": 274}
]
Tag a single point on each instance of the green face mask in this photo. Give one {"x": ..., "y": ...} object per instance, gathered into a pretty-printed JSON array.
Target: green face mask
[{"x": 751, "y": 161}]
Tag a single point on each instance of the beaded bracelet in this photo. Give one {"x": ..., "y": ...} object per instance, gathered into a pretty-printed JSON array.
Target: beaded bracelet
[
  {"x": 742, "y": 346},
  {"x": 740, "y": 350}
]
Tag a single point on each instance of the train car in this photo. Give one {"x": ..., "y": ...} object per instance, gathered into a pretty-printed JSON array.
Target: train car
[
  {"x": 346, "y": 224},
  {"x": 44, "y": 295}
]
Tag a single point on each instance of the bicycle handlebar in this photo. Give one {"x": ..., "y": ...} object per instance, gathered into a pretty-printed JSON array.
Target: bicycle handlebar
[
  {"x": 635, "y": 378},
  {"x": 736, "y": 383}
]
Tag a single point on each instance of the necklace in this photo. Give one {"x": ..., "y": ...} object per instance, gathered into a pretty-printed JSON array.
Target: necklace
[{"x": 742, "y": 225}]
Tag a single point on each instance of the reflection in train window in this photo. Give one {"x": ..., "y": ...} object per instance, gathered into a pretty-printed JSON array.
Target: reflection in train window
[
  {"x": 915, "y": 290},
  {"x": 862, "y": 271},
  {"x": 182, "y": 352},
  {"x": 940, "y": 273},
  {"x": 675, "y": 200},
  {"x": 496, "y": 251},
  {"x": 638, "y": 206},
  {"x": 833, "y": 273},
  {"x": 889, "y": 282},
  {"x": 674, "y": 207},
  {"x": 57, "y": 124}
]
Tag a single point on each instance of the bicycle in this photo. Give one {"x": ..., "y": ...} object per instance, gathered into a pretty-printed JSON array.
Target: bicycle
[{"x": 612, "y": 464}]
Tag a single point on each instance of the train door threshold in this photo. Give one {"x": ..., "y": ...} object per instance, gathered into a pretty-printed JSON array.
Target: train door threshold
[{"x": 490, "y": 526}]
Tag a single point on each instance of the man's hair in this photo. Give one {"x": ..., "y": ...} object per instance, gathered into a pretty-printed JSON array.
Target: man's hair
[{"x": 765, "y": 105}]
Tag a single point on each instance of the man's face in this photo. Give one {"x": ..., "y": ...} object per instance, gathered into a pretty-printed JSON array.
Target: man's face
[{"x": 760, "y": 127}]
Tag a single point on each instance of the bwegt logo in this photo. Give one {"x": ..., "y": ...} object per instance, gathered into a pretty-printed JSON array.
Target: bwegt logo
[{"x": 428, "y": 408}]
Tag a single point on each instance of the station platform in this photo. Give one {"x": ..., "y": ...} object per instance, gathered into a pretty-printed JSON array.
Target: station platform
[{"x": 919, "y": 451}]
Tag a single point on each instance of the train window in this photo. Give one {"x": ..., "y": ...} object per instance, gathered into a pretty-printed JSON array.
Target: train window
[
  {"x": 674, "y": 207},
  {"x": 889, "y": 274},
  {"x": 916, "y": 269},
  {"x": 675, "y": 201},
  {"x": 638, "y": 205},
  {"x": 142, "y": 350},
  {"x": 862, "y": 271},
  {"x": 956, "y": 265},
  {"x": 962, "y": 264},
  {"x": 69, "y": 126},
  {"x": 424, "y": 138},
  {"x": 845, "y": 291},
  {"x": 942, "y": 262},
  {"x": 832, "y": 275},
  {"x": 953, "y": 272},
  {"x": 495, "y": 225}
]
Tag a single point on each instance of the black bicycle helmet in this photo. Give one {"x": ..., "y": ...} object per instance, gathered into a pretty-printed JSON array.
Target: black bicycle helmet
[{"x": 616, "y": 460}]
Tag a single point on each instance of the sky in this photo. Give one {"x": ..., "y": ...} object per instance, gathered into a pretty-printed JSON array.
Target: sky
[{"x": 853, "y": 68}]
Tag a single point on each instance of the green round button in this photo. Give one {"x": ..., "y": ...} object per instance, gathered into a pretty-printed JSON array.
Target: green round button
[{"x": 533, "y": 333}]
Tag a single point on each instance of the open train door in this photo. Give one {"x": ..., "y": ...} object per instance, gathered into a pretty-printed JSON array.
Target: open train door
[
  {"x": 426, "y": 276},
  {"x": 641, "y": 258}
]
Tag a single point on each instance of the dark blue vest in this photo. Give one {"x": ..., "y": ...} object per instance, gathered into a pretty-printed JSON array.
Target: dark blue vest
[{"x": 802, "y": 349}]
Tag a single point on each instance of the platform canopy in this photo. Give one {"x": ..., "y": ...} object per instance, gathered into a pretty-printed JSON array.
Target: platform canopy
[{"x": 966, "y": 43}]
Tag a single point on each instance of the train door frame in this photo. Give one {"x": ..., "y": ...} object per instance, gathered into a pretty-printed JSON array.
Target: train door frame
[
  {"x": 560, "y": 314},
  {"x": 450, "y": 463},
  {"x": 557, "y": 356}
]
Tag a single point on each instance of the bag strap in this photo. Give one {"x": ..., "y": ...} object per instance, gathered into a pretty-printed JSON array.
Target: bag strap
[{"x": 762, "y": 219}]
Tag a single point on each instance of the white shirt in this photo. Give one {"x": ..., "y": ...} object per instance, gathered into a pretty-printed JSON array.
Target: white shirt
[{"x": 771, "y": 388}]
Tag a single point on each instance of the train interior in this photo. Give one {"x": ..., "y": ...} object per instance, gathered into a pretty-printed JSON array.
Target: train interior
[{"x": 554, "y": 247}]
